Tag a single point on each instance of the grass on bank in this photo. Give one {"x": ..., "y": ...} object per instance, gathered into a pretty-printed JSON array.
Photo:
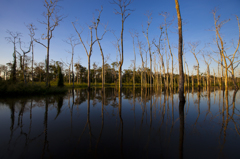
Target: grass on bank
[
  {"x": 85, "y": 85},
  {"x": 8, "y": 88}
]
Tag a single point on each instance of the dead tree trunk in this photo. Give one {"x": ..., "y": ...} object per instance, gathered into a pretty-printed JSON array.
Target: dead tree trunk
[
  {"x": 13, "y": 39},
  {"x": 122, "y": 4},
  {"x": 52, "y": 21},
  {"x": 88, "y": 52},
  {"x": 149, "y": 46},
  {"x": 134, "y": 61},
  {"x": 99, "y": 44},
  {"x": 24, "y": 53},
  {"x": 73, "y": 42},
  {"x": 181, "y": 73}
]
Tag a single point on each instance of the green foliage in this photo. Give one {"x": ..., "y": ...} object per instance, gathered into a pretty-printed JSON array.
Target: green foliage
[
  {"x": 60, "y": 77},
  {"x": 7, "y": 88}
]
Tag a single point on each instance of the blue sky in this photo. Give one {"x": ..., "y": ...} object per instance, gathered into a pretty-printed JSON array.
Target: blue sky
[{"x": 14, "y": 14}]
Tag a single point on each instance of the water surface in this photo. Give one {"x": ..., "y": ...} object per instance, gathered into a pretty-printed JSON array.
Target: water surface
[{"x": 135, "y": 123}]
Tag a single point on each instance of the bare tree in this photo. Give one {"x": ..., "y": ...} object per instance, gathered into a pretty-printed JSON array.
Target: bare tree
[
  {"x": 95, "y": 24},
  {"x": 145, "y": 33},
  {"x": 141, "y": 54},
  {"x": 158, "y": 46},
  {"x": 133, "y": 35},
  {"x": 14, "y": 40},
  {"x": 193, "y": 46},
  {"x": 167, "y": 24},
  {"x": 32, "y": 29},
  {"x": 180, "y": 42},
  {"x": 231, "y": 59},
  {"x": 88, "y": 52},
  {"x": 95, "y": 68},
  {"x": 187, "y": 75},
  {"x": 73, "y": 42},
  {"x": 124, "y": 12},
  {"x": 207, "y": 62},
  {"x": 222, "y": 51},
  {"x": 52, "y": 21},
  {"x": 24, "y": 54}
]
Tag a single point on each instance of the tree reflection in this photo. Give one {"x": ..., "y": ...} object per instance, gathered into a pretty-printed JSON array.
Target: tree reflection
[
  {"x": 12, "y": 108},
  {"x": 181, "y": 128},
  {"x": 102, "y": 115},
  {"x": 236, "y": 124},
  {"x": 46, "y": 143},
  {"x": 59, "y": 105},
  {"x": 121, "y": 120}
]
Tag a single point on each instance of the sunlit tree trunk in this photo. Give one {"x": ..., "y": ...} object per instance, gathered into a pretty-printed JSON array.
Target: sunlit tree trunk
[
  {"x": 122, "y": 4},
  {"x": 149, "y": 46},
  {"x": 181, "y": 74},
  {"x": 100, "y": 47},
  {"x": 214, "y": 80},
  {"x": 88, "y": 52},
  {"x": 134, "y": 61},
  {"x": 140, "y": 52},
  {"x": 167, "y": 25}
]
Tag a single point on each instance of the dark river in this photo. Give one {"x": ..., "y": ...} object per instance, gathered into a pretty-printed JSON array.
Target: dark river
[{"x": 131, "y": 124}]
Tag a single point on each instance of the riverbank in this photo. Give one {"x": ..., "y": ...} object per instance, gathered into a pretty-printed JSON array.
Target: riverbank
[{"x": 21, "y": 89}]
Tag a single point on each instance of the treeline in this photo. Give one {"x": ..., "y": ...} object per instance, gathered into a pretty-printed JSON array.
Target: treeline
[{"x": 111, "y": 75}]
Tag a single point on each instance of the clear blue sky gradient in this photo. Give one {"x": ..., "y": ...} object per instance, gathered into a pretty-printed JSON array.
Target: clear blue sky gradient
[{"x": 15, "y": 14}]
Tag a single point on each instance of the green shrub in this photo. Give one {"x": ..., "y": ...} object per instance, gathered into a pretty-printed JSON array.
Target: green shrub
[{"x": 60, "y": 77}]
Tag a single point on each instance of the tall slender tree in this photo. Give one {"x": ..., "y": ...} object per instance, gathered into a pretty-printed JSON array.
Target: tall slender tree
[
  {"x": 24, "y": 54},
  {"x": 193, "y": 46},
  {"x": 88, "y": 52},
  {"x": 96, "y": 24},
  {"x": 145, "y": 33},
  {"x": 141, "y": 54},
  {"x": 133, "y": 35},
  {"x": 52, "y": 21},
  {"x": 158, "y": 46},
  {"x": 73, "y": 42},
  {"x": 180, "y": 54},
  {"x": 32, "y": 29},
  {"x": 207, "y": 62},
  {"x": 124, "y": 12},
  {"x": 167, "y": 24},
  {"x": 14, "y": 40},
  {"x": 222, "y": 51}
]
